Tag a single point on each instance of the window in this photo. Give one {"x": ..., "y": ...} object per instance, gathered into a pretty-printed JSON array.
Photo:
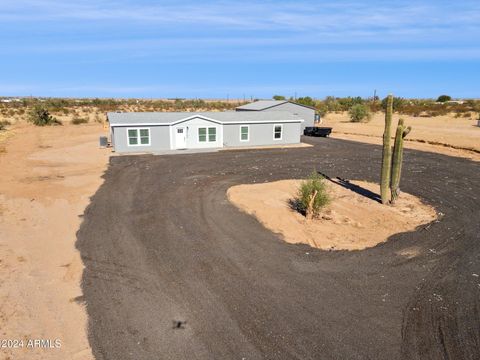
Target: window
[
  {"x": 202, "y": 134},
  {"x": 244, "y": 133},
  {"x": 138, "y": 137},
  {"x": 212, "y": 134},
  {"x": 277, "y": 132}
]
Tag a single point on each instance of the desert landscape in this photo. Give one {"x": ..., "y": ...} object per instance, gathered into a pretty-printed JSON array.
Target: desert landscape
[
  {"x": 447, "y": 134},
  {"x": 48, "y": 176},
  {"x": 50, "y": 173}
]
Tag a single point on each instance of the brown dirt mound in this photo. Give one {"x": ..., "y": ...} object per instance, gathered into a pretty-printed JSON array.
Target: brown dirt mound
[{"x": 351, "y": 222}]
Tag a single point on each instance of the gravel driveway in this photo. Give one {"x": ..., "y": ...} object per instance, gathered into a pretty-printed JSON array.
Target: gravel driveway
[{"x": 174, "y": 271}]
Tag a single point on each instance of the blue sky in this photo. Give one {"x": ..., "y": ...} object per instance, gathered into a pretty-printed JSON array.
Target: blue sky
[{"x": 215, "y": 49}]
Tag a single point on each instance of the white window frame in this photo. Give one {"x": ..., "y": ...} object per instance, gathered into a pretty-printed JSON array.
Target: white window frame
[
  {"x": 208, "y": 134},
  {"x": 281, "y": 132},
  {"x": 248, "y": 132},
  {"x": 138, "y": 136},
  {"x": 207, "y": 140}
]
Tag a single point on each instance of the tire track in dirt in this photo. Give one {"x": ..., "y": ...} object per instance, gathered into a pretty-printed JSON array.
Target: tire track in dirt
[{"x": 246, "y": 293}]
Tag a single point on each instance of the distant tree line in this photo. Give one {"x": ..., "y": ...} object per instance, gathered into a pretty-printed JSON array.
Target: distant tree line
[
  {"x": 75, "y": 107},
  {"x": 415, "y": 107}
]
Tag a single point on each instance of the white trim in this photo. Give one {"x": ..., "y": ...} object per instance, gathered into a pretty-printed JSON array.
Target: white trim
[
  {"x": 248, "y": 133},
  {"x": 195, "y": 117},
  {"x": 219, "y": 122},
  {"x": 207, "y": 135},
  {"x": 281, "y": 132},
  {"x": 139, "y": 137}
]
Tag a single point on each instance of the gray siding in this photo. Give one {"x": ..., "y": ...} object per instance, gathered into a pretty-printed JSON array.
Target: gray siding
[
  {"x": 260, "y": 134},
  {"x": 159, "y": 139},
  {"x": 191, "y": 127},
  {"x": 305, "y": 113}
]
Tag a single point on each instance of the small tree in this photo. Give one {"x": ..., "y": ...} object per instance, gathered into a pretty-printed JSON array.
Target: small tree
[
  {"x": 307, "y": 100},
  {"x": 444, "y": 98},
  {"x": 40, "y": 116},
  {"x": 312, "y": 195},
  {"x": 359, "y": 113},
  {"x": 278, "y": 97}
]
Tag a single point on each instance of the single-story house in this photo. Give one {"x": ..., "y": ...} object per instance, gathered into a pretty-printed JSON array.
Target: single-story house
[
  {"x": 161, "y": 131},
  {"x": 307, "y": 113}
]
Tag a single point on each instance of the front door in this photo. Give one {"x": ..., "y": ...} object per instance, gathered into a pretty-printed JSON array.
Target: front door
[{"x": 180, "y": 138}]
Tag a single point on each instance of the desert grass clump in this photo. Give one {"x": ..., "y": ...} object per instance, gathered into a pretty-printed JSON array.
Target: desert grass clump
[
  {"x": 359, "y": 113},
  {"x": 4, "y": 124},
  {"x": 40, "y": 116},
  {"x": 78, "y": 120},
  {"x": 312, "y": 195}
]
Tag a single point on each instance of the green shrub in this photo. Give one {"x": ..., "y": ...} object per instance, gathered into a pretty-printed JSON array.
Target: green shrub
[
  {"x": 78, "y": 120},
  {"x": 444, "y": 98},
  {"x": 359, "y": 113},
  {"x": 312, "y": 195},
  {"x": 40, "y": 116}
]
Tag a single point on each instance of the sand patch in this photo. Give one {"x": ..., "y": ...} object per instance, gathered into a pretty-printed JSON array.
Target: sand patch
[
  {"x": 445, "y": 134},
  {"x": 351, "y": 222},
  {"x": 48, "y": 175}
]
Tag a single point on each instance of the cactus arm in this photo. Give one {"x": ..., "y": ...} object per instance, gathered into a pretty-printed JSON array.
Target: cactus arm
[
  {"x": 397, "y": 159},
  {"x": 396, "y": 162},
  {"x": 386, "y": 153}
]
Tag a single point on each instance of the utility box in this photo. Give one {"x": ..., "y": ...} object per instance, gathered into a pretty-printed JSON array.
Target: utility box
[{"x": 103, "y": 141}]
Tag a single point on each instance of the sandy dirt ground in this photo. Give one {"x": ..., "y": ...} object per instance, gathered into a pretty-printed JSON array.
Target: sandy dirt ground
[
  {"x": 350, "y": 222},
  {"x": 442, "y": 134},
  {"x": 48, "y": 175}
]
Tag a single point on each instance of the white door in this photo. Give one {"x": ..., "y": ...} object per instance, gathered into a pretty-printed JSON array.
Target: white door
[{"x": 180, "y": 138}]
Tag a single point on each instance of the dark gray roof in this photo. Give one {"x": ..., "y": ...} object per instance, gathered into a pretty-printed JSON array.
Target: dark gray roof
[
  {"x": 260, "y": 105},
  {"x": 153, "y": 118}
]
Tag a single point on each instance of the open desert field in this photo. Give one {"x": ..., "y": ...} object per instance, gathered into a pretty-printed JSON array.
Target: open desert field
[
  {"x": 48, "y": 176},
  {"x": 67, "y": 280},
  {"x": 448, "y": 134}
]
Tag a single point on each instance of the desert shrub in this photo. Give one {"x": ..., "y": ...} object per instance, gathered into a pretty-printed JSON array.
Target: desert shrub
[
  {"x": 40, "y": 116},
  {"x": 359, "y": 113},
  {"x": 4, "y": 124},
  {"x": 278, "y": 97},
  {"x": 97, "y": 118},
  {"x": 78, "y": 120},
  {"x": 307, "y": 100},
  {"x": 312, "y": 195},
  {"x": 444, "y": 98}
]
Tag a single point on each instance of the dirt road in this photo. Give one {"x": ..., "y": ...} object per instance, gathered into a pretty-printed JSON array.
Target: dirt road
[{"x": 161, "y": 243}]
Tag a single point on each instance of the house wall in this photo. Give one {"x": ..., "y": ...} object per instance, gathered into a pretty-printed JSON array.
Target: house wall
[
  {"x": 305, "y": 113},
  {"x": 159, "y": 139},
  {"x": 192, "y": 127},
  {"x": 261, "y": 134}
]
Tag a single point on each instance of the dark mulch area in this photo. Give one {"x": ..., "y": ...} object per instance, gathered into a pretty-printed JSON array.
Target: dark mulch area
[{"x": 162, "y": 245}]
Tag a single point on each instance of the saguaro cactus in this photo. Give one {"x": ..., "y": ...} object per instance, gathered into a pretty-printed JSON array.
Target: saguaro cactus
[
  {"x": 397, "y": 159},
  {"x": 387, "y": 153}
]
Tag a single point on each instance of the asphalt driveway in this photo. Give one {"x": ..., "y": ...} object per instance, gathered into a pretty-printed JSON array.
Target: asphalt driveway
[{"x": 162, "y": 244}]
